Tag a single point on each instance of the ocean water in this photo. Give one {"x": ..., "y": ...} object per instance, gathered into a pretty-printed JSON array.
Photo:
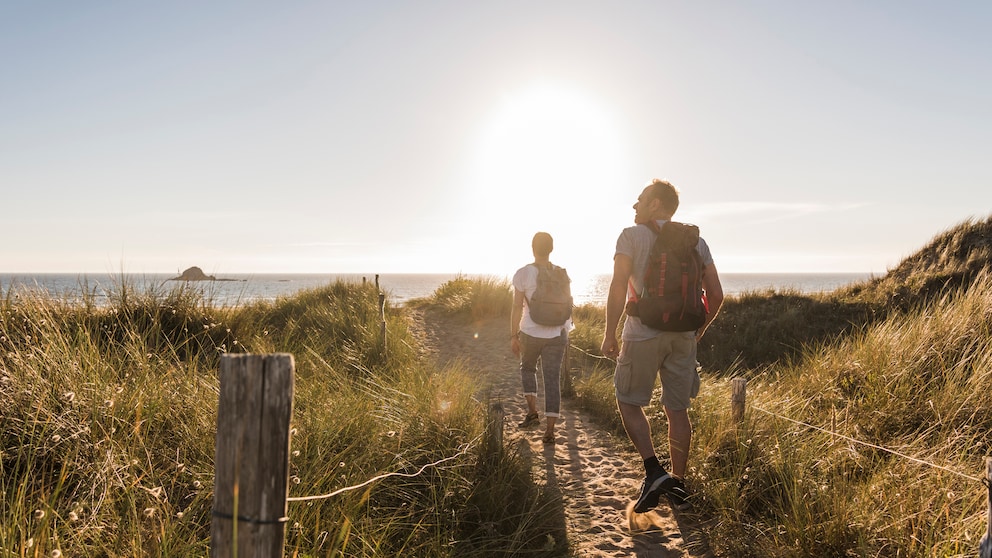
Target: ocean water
[{"x": 237, "y": 289}]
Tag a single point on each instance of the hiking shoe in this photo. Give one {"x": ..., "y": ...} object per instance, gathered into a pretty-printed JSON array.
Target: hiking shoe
[
  {"x": 530, "y": 420},
  {"x": 678, "y": 496},
  {"x": 651, "y": 491}
]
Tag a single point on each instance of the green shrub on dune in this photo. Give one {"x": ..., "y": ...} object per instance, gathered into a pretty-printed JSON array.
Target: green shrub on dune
[{"x": 472, "y": 298}]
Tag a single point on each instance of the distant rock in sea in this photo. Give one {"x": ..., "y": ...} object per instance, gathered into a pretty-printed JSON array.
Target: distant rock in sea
[{"x": 196, "y": 274}]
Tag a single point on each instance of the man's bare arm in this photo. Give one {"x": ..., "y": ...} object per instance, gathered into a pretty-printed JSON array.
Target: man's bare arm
[
  {"x": 714, "y": 296},
  {"x": 615, "y": 301}
]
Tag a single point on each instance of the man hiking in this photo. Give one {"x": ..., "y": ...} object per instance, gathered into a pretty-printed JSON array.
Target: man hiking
[{"x": 648, "y": 351}]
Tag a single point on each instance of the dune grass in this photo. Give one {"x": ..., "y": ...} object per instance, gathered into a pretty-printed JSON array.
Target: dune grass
[
  {"x": 914, "y": 384},
  {"x": 472, "y": 298},
  {"x": 109, "y": 413},
  {"x": 897, "y": 390}
]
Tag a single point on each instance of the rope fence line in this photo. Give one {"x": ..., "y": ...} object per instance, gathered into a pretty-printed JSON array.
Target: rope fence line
[
  {"x": 875, "y": 446},
  {"x": 984, "y": 481},
  {"x": 738, "y": 404},
  {"x": 590, "y": 355},
  {"x": 384, "y": 476}
]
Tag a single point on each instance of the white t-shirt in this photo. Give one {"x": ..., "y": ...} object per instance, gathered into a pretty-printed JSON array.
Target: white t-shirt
[
  {"x": 636, "y": 242},
  {"x": 525, "y": 281}
]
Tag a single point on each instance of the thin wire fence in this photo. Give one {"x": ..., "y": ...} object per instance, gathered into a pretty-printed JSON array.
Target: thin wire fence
[
  {"x": 868, "y": 444},
  {"x": 590, "y": 355},
  {"x": 377, "y": 478},
  {"x": 836, "y": 434}
]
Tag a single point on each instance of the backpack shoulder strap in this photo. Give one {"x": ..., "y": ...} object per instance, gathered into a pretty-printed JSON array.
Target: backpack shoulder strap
[{"x": 541, "y": 270}]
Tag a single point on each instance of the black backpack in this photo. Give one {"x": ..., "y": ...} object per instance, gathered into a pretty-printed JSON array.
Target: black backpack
[
  {"x": 673, "y": 281},
  {"x": 551, "y": 304}
]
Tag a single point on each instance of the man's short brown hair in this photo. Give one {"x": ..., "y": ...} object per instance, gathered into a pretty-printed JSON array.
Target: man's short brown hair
[{"x": 667, "y": 194}]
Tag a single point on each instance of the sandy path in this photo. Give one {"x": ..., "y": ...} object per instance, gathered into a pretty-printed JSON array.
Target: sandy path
[{"x": 596, "y": 477}]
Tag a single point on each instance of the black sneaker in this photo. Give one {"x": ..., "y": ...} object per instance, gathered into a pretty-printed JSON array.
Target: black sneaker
[
  {"x": 651, "y": 490},
  {"x": 530, "y": 420},
  {"x": 675, "y": 490}
]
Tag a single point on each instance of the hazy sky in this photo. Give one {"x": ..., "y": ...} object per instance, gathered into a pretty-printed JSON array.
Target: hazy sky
[{"x": 388, "y": 137}]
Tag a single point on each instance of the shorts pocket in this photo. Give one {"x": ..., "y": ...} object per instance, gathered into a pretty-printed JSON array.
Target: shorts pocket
[
  {"x": 622, "y": 375},
  {"x": 695, "y": 385}
]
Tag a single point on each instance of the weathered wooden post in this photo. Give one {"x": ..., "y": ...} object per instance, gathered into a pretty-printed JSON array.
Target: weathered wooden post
[
  {"x": 382, "y": 320},
  {"x": 494, "y": 429},
  {"x": 738, "y": 399},
  {"x": 251, "y": 478},
  {"x": 985, "y": 547}
]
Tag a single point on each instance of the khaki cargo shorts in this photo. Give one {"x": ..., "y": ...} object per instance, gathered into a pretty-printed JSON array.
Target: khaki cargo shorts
[{"x": 673, "y": 355}]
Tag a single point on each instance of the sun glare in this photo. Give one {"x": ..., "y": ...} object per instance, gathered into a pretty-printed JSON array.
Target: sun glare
[{"x": 543, "y": 161}]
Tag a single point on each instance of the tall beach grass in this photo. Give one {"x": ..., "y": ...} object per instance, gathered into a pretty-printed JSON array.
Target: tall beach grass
[
  {"x": 109, "y": 413},
  {"x": 868, "y": 416}
]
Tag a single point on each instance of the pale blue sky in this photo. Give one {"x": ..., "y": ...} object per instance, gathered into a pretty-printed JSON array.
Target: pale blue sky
[{"x": 387, "y": 137}]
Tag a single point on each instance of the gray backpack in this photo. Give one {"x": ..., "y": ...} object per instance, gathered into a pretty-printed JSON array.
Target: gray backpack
[{"x": 551, "y": 304}]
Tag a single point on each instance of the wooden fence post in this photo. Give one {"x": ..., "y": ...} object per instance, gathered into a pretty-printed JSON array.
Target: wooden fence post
[
  {"x": 738, "y": 399},
  {"x": 251, "y": 477},
  {"x": 494, "y": 430},
  {"x": 382, "y": 319},
  {"x": 985, "y": 547}
]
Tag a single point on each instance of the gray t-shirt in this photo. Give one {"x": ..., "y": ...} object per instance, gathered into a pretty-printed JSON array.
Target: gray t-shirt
[{"x": 636, "y": 243}]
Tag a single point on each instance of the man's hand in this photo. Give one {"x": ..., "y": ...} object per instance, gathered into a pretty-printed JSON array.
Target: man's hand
[
  {"x": 515, "y": 346},
  {"x": 610, "y": 347}
]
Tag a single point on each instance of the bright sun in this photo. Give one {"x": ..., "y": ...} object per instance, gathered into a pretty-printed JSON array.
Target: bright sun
[{"x": 546, "y": 157}]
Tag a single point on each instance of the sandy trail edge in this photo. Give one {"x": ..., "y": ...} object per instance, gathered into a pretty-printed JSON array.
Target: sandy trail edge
[{"x": 597, "y": 479}]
